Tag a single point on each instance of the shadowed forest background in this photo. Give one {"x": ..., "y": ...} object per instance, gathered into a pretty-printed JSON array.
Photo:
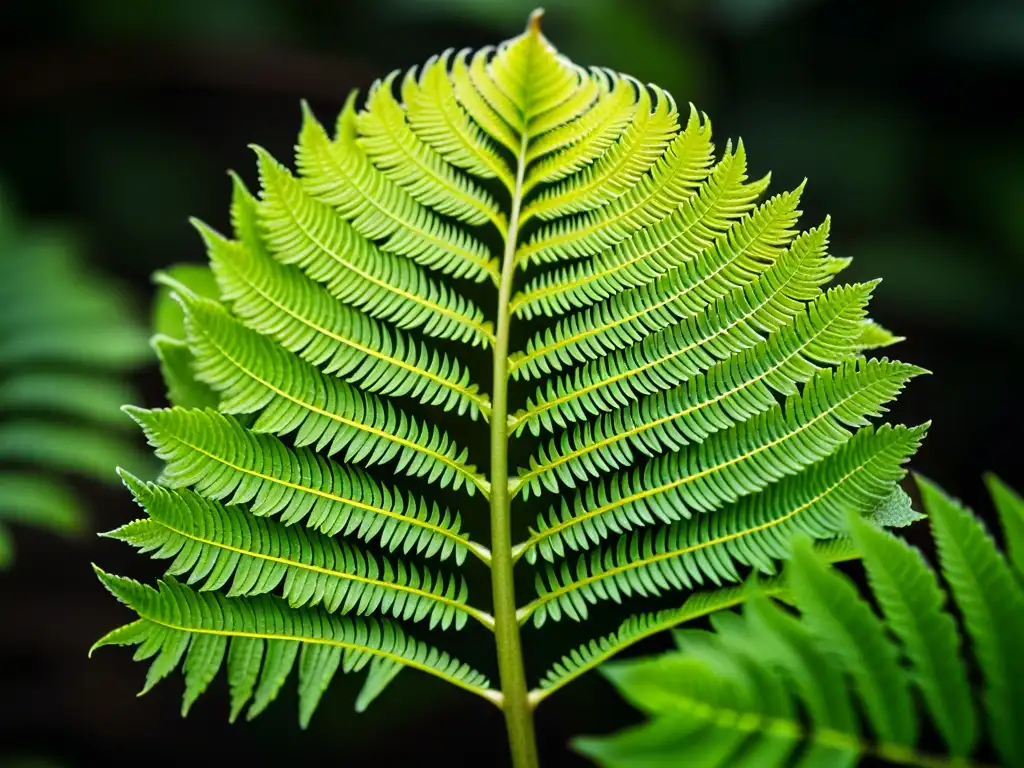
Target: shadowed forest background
[{"x": 119, "y": 120}]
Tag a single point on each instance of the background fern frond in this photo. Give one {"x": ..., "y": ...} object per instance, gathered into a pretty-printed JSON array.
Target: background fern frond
[
  {"x": 67, "y": 343},
  {"x": 837, "y": 637}
]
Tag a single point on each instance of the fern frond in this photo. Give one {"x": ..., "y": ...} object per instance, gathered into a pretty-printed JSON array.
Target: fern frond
[
  {"x": 177, "y": 623},
  {"x": 678, "y": 172},
  {"x": 847, "y": 628},
  {"x": 912, "y": 602},
  {"x": 216, "y": 544},
  {"x": 748, "y": 248},
  {"x": 701, "y": 390},
  {"x": 655, "y": 122},
  {"x": 693, "y": 228},
  {"x": 308, "y": 233},
  {"x": 279, "y": 301},
  {"x": 436, "y": 116},
  {"x": 224, "y": 461},
  {"x": 254, "y": 375},
  {"x": 836, "y": 639},
  {"x": 339, "y": 174},
  {"x": 754, "y": 531},
  {"x": 991, "y": 602},
  {"x": 729, "y": 334},
  {"x": 757, "y": 442},
  {"x": 407, "y": 160}
]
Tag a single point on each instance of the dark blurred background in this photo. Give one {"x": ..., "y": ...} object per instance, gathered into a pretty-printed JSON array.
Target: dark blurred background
[{"x": 120, "y": 117}]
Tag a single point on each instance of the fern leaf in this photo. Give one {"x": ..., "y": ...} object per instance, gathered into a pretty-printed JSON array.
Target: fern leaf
[
  {"x": 224, "y": 461},
  {"x": 176, "y": 367},
  {"x": 395, "y": 149},
  {"x": 677, "y": 174},
  {"x": 748, "y": 248},
  {"x": 911, "y": 600},
  {"x": 436, "y": 116},
  {"x": 774, "y": 440},
  {"x": 753, "y": 532},
  {"x": 991, "y": 602},
  {"x": 216, "y": 544},
  {"x": 845, "y": 626},
  {"x": 252, "y": 375},
  {"x": 308, "y": 233},
  {"x": 176, "y": 620},
  {"x": 693, "y": 228},
  {"x": 655, "y": 122},
  {"x": 730, "y": 337},
  {"x": 339, "y": 174},
  {"x": 279, "y": 301},
  {"x": 1010, "y": 507}
]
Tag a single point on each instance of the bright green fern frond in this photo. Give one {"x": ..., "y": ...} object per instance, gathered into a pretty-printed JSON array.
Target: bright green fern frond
[
  {"x": 177, "y": 623},
  {"x": 339, "y": 174},
  {"x": 224, "y": 461},
  {"x": 748, "y": 248},
  {"x": 753, "y": 532},
  {"x": 728, "y": 335},
  {"x": 411, "y": 163},
  {"x": 750, "y": 442},
  {"x": 253, "y": 375},
  {"x": 692, "y": 229},
  {"x": 279, "y": 301},
  {"x": 216, "y": 544},
  {"x": 696, "y": 372}
]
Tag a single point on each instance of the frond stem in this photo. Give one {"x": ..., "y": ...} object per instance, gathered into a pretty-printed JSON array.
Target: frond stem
[{"x": 516, "y": 704}]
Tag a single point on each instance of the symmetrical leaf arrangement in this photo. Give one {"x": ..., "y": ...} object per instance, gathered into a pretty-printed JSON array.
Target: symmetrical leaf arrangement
[
  {"x": 699, "y": 391},
  {"x": 66, "y": 342},
  {"x": 775, "y": 688}
]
